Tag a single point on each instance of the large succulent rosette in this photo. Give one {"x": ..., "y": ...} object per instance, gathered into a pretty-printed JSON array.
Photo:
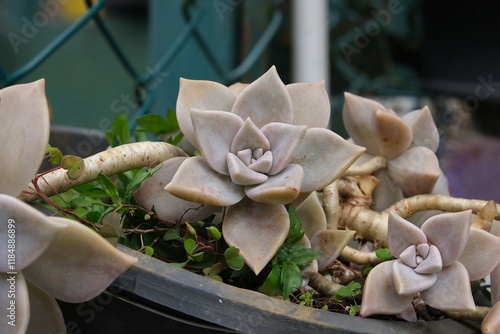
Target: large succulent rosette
[{"x": 261, "y": 145}]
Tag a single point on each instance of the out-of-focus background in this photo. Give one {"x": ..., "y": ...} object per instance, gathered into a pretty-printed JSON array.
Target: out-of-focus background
[{"x": 101, "y": 58}]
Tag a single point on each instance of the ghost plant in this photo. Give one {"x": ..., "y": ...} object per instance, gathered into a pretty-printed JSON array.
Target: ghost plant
[
  {"x": 407, "y": 144},
  {"x": 261, "y": 145},
  {"x": 42, "y": 257}
]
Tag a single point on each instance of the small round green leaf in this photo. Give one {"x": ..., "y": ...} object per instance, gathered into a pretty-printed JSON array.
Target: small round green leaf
[{"x": 190, "y": 246}]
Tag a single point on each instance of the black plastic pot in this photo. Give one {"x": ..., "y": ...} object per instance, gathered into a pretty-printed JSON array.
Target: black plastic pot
[{"x": 155, "y": 297}]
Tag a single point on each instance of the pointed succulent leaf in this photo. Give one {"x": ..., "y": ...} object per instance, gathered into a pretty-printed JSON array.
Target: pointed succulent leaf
[
  {"x": 310, "y": 103},
  {"x": 449, "y": 232},
  {"x": 357, "y": 114},
  {"x": 409, "y": 314},
  {"x": 78, "y": 265},
  {"x": 416, "y": 171},
  {"x": 386, "y": 192},
  {"x": 241, "y": 174},
  {"x": 249, "y": 137},
  {"x": 32, "y": 231},
  {"x": 408, "y": 282},
  {"x": 263, "y": 163},
  {"x": 202, "y": 95},
  {"x": 282, "y": 188},
  {"x": 237, "y": 88},
  {"x": 284, "y": 139},
  {"x": 152, "y": 194},
  {"x": 480, "y": 256},
  {"x": 215, "y": 131},
  {"x": 408, "y": 256},
  {"x": 265, "y": 100},
  {"x": 393, "y": 135},
  {"x": 380, "y": 295},
  {"x": 25, "y": 110},
  {"x": 402, "y": 234},
  {"x": 330, "y": 243},
  {"x": 424, "y": 130},
  {"x": 432, "y": 263},
  {"x": 257, "y": 230},
  {"x": 324, "y": 156},
  {"x": 491, "y": 322},
  {"x": 21, "y": 314},
  {"x": 452, "y": 291},
  {"x": 311, "y": 215},
  {"x": 46, "y": 316},
  {"x": 195, "y": 181}
]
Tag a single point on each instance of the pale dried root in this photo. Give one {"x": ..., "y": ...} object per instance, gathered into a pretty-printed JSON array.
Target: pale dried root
[{"x": 110, "y": 162}]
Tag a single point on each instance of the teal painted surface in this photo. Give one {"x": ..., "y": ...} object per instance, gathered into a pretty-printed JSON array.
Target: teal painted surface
[{"x": 217, "y": 27}]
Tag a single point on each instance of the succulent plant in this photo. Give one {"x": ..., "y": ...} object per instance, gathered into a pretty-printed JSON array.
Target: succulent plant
[
  {"x": 42, "y": 257},
  {"x": 437, "y": 261},
  {"x": 408, "y": 143},
  {"x": 261, "y": 145}
]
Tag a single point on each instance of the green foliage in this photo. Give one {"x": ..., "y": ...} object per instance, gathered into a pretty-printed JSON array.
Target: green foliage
[
  {"x": 162, "y": 127},
  {"x": 307, "y": 298},
  {"x": 54, "y": 154},
  {"x": 119, "y": 133},
  {"x": 384, "y": 254},
  {"x": 351, "y": 290},
  {"x": 233, "y": 258},
  {"x": 74, "y": 166},
  {"x": 291, "y": 258}
]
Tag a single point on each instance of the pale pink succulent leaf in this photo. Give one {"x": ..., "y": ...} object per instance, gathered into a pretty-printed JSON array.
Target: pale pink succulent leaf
[
  {"x": 196, "y": 182},
  {"x": 24, "y": 114},
  {"x": 416, "y": 171},
  {"x": 237, "y": 88},
  {"x": 284, "y": 139},
  {"x": 452, "y": 291},
  {"x": 449, "y": 232},
  {"x": 324, "y": 156},
  {"x": 408, "y": 282},
  {"x": 423, "y": 249},
  {"x": 380, "y": 295},
  {"x": 46, "y": 316},
  {"x": 432, "y": 263},
  {"x": 152, "y": 194},
  {"x": 491, "y": 322},
  {"x": 249, "y": 137},
  {"x": 330, "y": 243},
  {"x": 402, "y": 234},
  {"x": 21, "y": 314},
  {"x": 386, "y": 193},
  {"x": 202, "y": 95},
  {"x": 263, "y": 163},
  {"x": 480, "y": 256},
  {"x": 424, "y": 130},
  {"x": 409, "y": 314},
  {"x": 393, "y": 135},
  {"x": 31, "y": 230},
  {"x": 408, "y": 256},
  {"x": 311, "y": 215},
  {"x": 265, "y": 100},
  {"x": 215, "y": 132},
  {"x": 311, "y": 104},
  {"x": 258, "y": 230},
  {"x": 241, "y": 174},
  {"x": 495, "y": 284},
  {"x": 282, "y": 188},
  {"x": 78, "y": 265},
  {"x": 357, "y": 114}
]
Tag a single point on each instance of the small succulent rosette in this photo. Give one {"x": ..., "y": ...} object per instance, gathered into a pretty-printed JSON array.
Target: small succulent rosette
[
  {"x": 438, "y": 261},
  {"x": 408, "y": 143}
]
